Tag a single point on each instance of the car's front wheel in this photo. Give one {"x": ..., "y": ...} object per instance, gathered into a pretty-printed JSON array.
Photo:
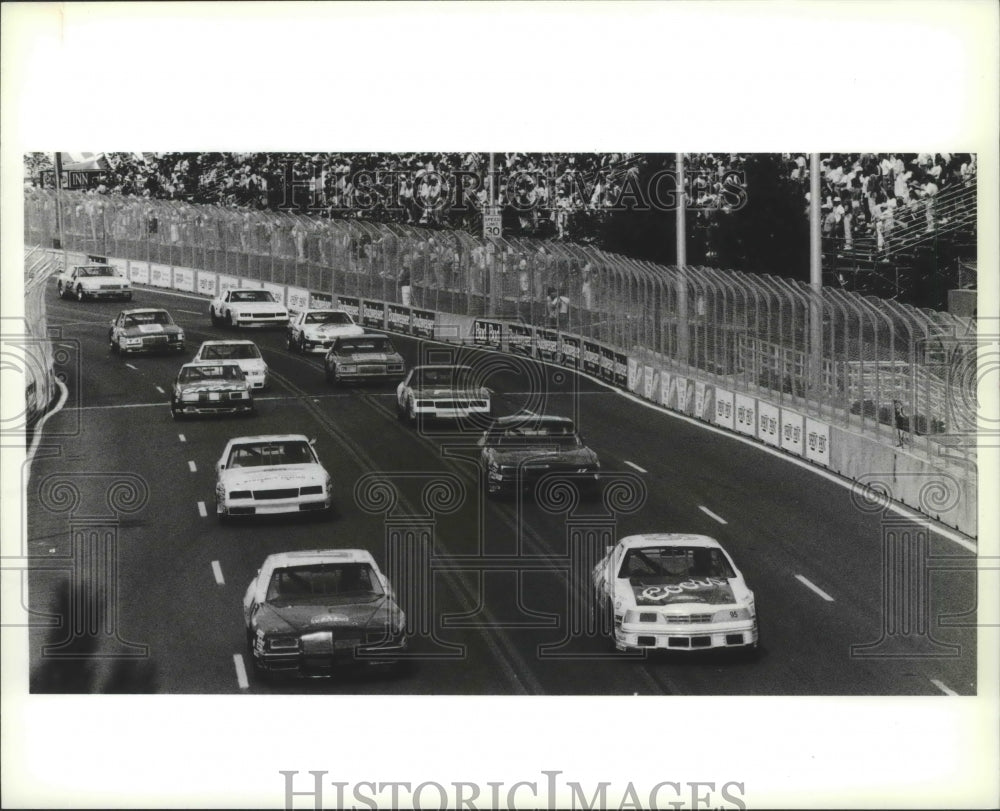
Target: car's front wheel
[
  {"x": 411, "y": 411},
  {"x": 175, "y": 412},
  {"x": 229, "y": 320},
  {"x": 216, "y": 321},
  {"x": 60, "y": 290},
  {"x": 79, "y": 292}
]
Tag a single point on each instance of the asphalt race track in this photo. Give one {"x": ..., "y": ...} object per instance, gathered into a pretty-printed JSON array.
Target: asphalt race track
[{"x": 499, "y": 605}]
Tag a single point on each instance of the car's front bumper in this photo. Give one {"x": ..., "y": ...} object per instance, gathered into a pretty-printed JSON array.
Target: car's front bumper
[
  {"x": 641, "y": 636},
  {"x": 324, "y": 661},
  {"x": 260, "y": 320},
  {"x": 113, "y": 294},
  {"x": 300, "y": 504},
  {"x": 220, "y": 407},
  {"x": 511, "y": 483},
  {"x": 152, "y": 348}
]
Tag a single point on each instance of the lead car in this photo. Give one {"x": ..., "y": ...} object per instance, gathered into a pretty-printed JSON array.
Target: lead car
[
  {"x": 309, "y": 613},
  {"x": 674, "y": 591}
]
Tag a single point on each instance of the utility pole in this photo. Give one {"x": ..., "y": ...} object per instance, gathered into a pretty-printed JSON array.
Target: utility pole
[
  {"x": 682, "y": 314},
  {"x": 815, "y": 275}
]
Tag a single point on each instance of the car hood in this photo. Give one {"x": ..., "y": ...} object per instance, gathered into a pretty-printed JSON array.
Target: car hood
[
  {"x": 448, "y": 391},
  {"x": 542, "y": 457},
  {"x": 696, "y": 592},
  {"x": 331, "y": 615},
  {"x": 331, "y": 330},
  {"x": 257, "y": 306},
  {"x": 95, "y": 282},
  {"x": 280, "y": 475}
]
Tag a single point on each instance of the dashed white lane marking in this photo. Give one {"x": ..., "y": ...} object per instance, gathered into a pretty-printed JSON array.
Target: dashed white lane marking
[
  {"x": 634, "y": 466},
  {"x": 190, "y": 312},
  {"x": 201, "y": 509},
  {"x": 711, "y": 514},
  {"x": 192, "y": 466},
  {"x": 814, "y": 587},
  {"x": 182, "y": 438},
  {"x": 217, "y": 571},
  {"x": 161, "y": 391},
  {"x": 241, "y": 671},
  {"x": 944, "y": 688},
  {"x": 130, "y": 366}
]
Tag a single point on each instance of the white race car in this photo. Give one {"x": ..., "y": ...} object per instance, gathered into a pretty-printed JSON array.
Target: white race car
[
  {"x": 312, "y": 330},
  {"x": 245, "y": 353},
  {"x": 93, "y": 281},
  {"x": 270, "y": 474},
  {"x": 674, "y": 592},
  {"x": 242, "y": 307},
  {"x": 441, "y": 392}
]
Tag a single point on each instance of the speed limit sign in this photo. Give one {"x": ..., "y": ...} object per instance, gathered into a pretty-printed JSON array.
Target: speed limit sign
[{"x": 491, "y": 225}]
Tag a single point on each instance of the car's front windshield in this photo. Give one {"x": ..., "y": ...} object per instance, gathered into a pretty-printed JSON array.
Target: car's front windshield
[
  {"x": 262, "y": 454},
  {"x": 561, "y": 436},
  {"x": 155, "y": 317},
  {"x": 366, "y": 345},
  {"x": 221, "y": 372},
  {"x": 656, "y": 565},
  {"x": 447, "y": 377},
  {"x": 230, "y": 352},
  {"x": 104, "y": 270},
  {"x": 323, "y": 583},
  {"x": 328, "y": 317}
]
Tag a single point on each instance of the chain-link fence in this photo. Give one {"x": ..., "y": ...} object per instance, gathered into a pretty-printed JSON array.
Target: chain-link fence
[{"x": 853, "y": 360}]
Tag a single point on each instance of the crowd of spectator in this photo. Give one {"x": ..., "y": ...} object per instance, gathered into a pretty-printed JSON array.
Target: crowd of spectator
[{"x": 879, "y": 195}]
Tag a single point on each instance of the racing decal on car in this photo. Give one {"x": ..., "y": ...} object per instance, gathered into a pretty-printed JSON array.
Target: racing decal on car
[
  {"x": 320, "y": 619},
  {"x": 150, "y": 327},
  {"x": 711, "y": 590}
]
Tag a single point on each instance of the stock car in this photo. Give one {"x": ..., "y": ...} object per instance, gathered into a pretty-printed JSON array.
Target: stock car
[
  {"x": 242, "y": 307},
  {"x": 310, "y": 613},
  {"x": 245, "y": 353},
  {"x": 271, "y": 474},
  {"x": 674, "y": 591},
  {"x": 146, "y": 329},
  {"x": 211, "y": 388},
  {"x": 93, "y": 281},
  {"x": 370, "y": 356},
  {"x": 441, "y": 392},
  {"x": 519, "y": 449},
  {"x": 311, "y": 330}
]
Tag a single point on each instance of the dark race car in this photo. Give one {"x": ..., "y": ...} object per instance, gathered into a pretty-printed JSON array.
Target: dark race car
[
  {"x": 519, "y": 449},
  {"x": 310, "y": 613},
  {"x": 371, "y": 356},
  {"x": 211, "y": 388},
  {"x": 145, "y": 330}
]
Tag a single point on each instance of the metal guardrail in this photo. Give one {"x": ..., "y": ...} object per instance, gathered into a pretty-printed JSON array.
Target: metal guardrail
[{"x": 746, "y": 331}]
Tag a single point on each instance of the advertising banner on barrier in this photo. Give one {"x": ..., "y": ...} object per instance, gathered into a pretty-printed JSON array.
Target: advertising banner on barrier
[
  {"x": 297, "y": 298},
  {"x": 138, "y": 271},
  {"x": 487, "y": 333},
  {"x": 678, "y": 391},
  {"x": 184, "y": 279},
  {"x": 650, "y": 382},
  {"x": 521, "y": 340},
  {"x": 569, "y": 350},
  {"x": 724, "y": 415},
  {"x": 547, "y": 344},
  {"x": 769, "y": 423},
  {"x": 373, "y": 314},
  {"x": 745, "y": 409},
  {"x": 227, "y": 283},
  {"x": 686, "y": 395},
  {"x": 704, "y": 401},
  {"x": 791, "y": 431},
  {"x": 397, "y": 318},
  {"x": 159, "y": 275},
  {"x": 351, "y": 305},
  {"x": 423, "y": 322},
  {"x": 666, "y": 383},
  {"x": 818, "y": 442},
  {"x": 277, "y": 290},
  {"x": 619, "y": 369},
  {"x": 208, "y": 283},
  {"x": 634, "y": 375},
  {"x": 320, "y": 301},
  {"x": 608, "y": 364},
  {"x": 591, "y": 357}
]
